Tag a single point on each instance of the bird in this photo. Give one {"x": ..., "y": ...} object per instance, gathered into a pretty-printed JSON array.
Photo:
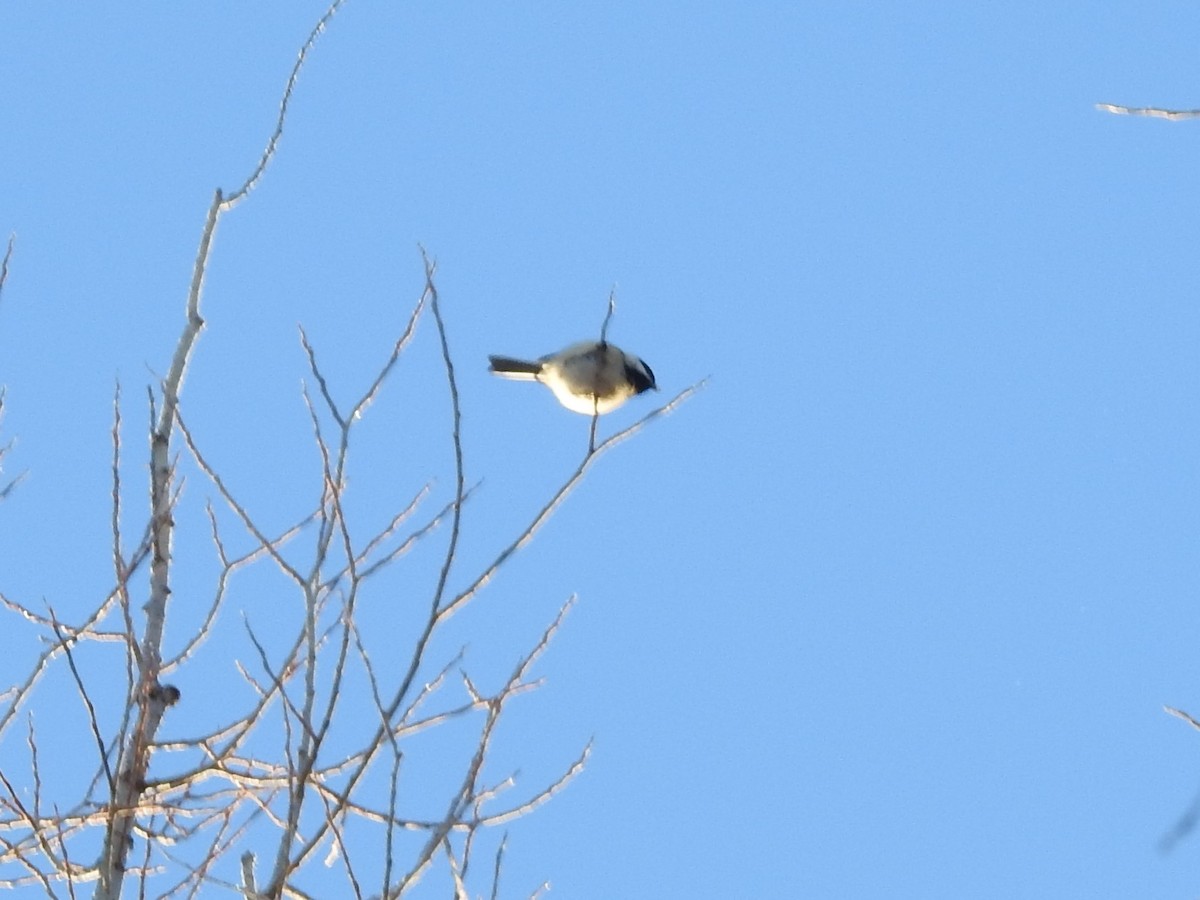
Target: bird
[{"x": 590, "y": 377}]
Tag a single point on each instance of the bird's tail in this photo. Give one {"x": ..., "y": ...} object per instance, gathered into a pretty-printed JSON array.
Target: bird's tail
[{"x": 507, "y": 367}]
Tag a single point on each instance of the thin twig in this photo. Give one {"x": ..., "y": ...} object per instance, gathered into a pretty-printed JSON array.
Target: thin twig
[
  {"x": 497, "y": 867},
  {"x": 12, "y": 239},
  {"x": 273, "y": 142},
  {"x": 87, "y": 700},
  {"x": 7, "y": 489},
  {"x": 264, "y": 543},
  {"x": 1150, "y": 111},
  {"x": 595, "y": 423},
  {"x": 1180, "y": 714},
  {"x": 612, "y": 308},
  {"x": 544, "y": 514},
  {"x": 456, "y": 434}
]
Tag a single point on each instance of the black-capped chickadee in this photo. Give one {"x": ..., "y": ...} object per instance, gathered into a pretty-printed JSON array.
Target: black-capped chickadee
[{"x": 588, "y": 377}]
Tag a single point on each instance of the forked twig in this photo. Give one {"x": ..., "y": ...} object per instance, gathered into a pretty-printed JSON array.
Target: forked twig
[
  {"x": 468, "y": 790},
  {"x": 546, "y": 511}
]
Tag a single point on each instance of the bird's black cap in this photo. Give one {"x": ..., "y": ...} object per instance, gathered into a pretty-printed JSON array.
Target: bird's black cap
[{"x": 641, "y": 380}]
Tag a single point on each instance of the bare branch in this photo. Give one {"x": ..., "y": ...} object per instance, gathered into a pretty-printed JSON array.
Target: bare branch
[
  {"x": 284, "y": 866},
  {"x": 228, "y": 567},
  {"x": 612, "y": 308},
  {"x": 1151, "y": 111},
  {"x": 21, "y": 693},
  {"x": 8, "y": 252},
  {"x": 265, "y": 543},
  {"x": 1180, "y": 714},
  {"x": 541, "y": 797},
  {"x": 456, "y": 434},
  {"x": 544, "y": 514},
  {"x": 403, "y": 341},
  {"x": 497, "y": 867},
  {"x": 87, "y": 701},
  {"x": 273, "y": 141},
  {"x": 248, "y": 889},
  {"x": 7, "y": 489}
]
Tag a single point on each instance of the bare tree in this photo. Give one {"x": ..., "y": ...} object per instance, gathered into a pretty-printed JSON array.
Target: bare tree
[{"x": 290, "y": 777}]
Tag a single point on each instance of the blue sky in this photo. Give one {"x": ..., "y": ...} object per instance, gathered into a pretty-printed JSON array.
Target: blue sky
[{"x": 890, "y": 608}]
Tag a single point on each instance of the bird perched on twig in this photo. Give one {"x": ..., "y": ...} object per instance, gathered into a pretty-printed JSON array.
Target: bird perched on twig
[{"x": 589, "y": 377}]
